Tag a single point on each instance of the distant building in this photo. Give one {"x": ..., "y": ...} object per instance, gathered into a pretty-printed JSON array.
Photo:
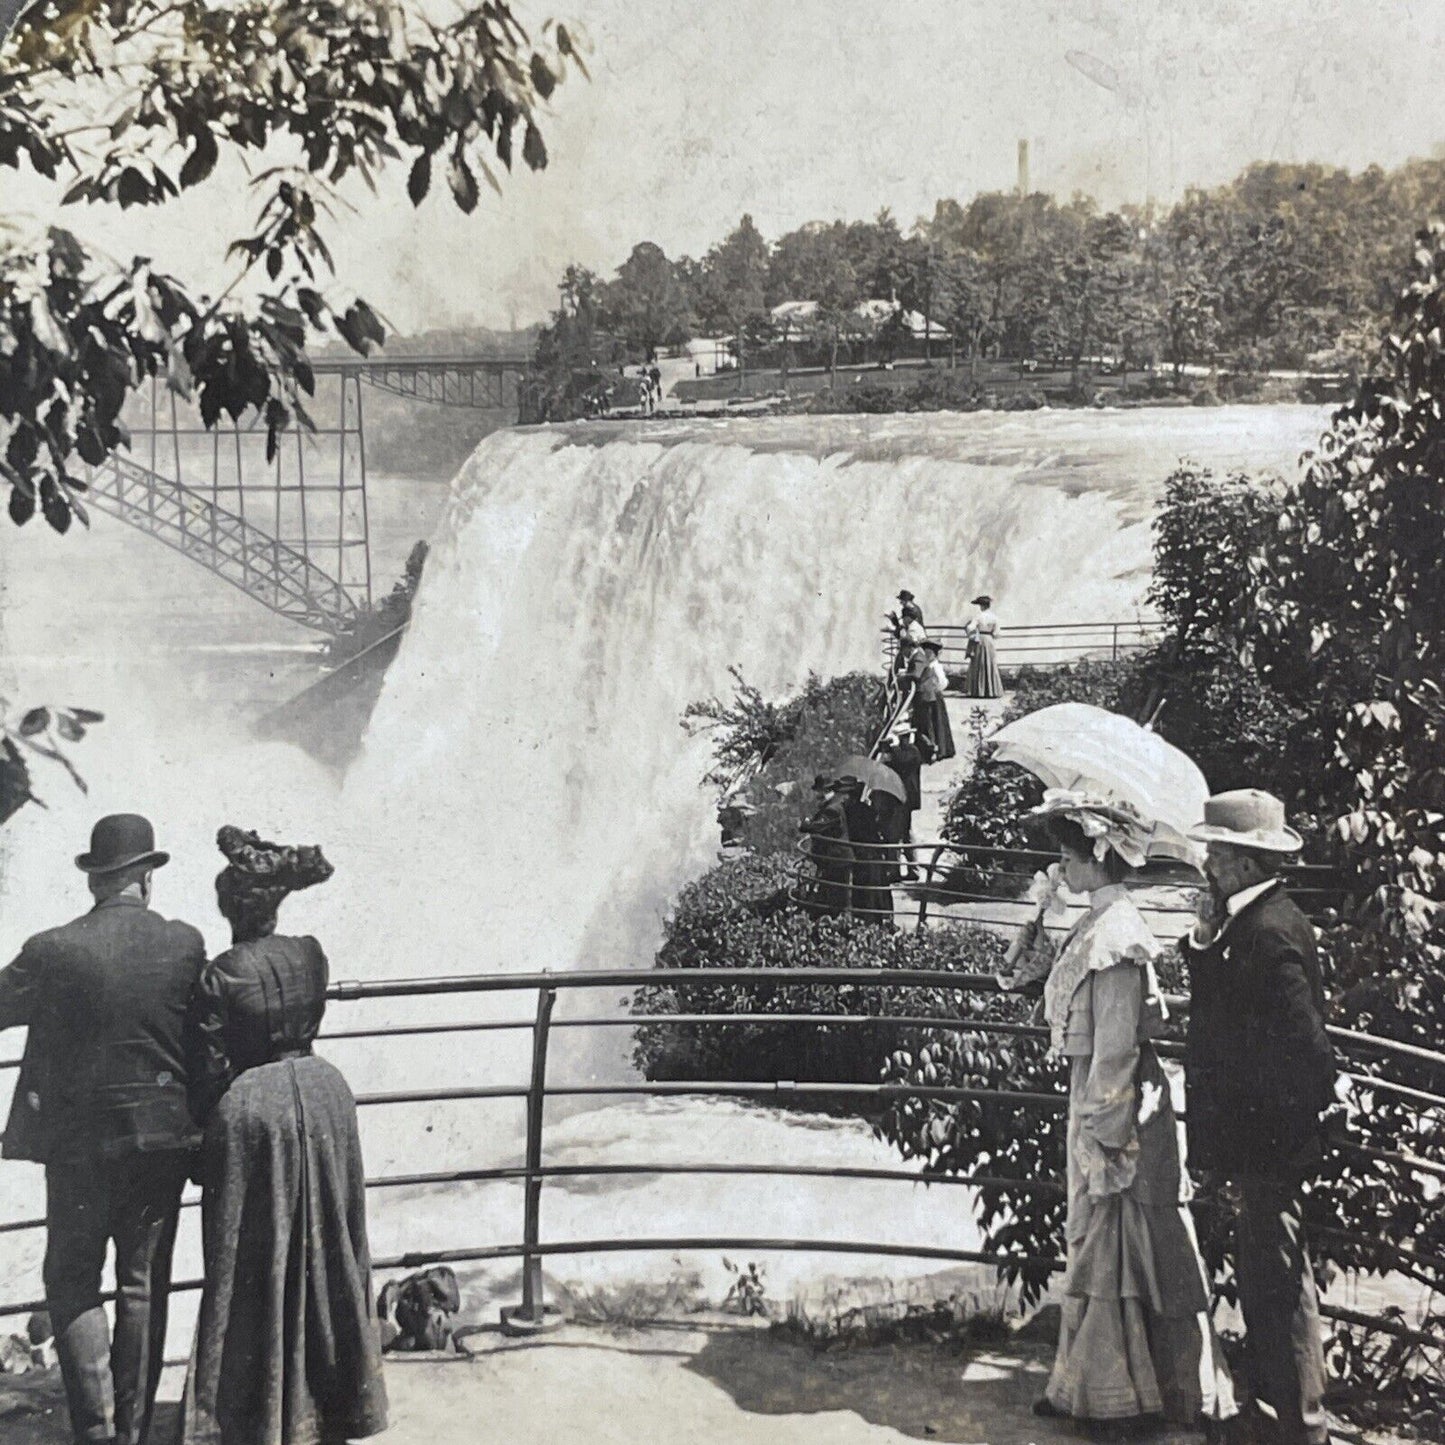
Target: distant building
[{"x": 797, "y": 320}]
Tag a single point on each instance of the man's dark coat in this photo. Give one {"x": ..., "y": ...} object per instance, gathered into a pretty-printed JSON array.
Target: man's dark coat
[
  {"x": 104, "y": 1067},
  {"x": 1259, "y": 1068}
]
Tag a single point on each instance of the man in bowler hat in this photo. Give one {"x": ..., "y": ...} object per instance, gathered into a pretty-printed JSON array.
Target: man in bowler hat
[
  {"x": 1259, "y": 1075},
  {"x": 101, "y": 1103}
]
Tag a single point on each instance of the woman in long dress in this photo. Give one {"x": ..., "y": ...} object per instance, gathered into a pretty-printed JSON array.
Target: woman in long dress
[
  {"x": 984, "y": 678},
  {"x": 930, "y": 712},
  {"x": 288, "y": 1347},
  {"x": 1135, "y": 1338}
]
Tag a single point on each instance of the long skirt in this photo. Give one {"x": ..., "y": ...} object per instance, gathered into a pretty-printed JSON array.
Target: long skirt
[
  {"x": 935, "y": 734},
  {"x": 288, "y": 1348},
  {"x": 984, "y": 678},
  {"x": 1135, "y": 1337}
]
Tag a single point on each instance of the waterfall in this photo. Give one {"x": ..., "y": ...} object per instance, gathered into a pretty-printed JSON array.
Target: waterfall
[{"x": 526, "y": 764}]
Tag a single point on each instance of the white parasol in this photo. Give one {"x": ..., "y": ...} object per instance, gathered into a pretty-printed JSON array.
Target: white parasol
[{"x": 1074, "y": 746}]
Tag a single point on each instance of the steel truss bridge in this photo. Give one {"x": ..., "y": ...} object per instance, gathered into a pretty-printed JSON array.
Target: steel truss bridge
[{"x": 293, "y": 531}]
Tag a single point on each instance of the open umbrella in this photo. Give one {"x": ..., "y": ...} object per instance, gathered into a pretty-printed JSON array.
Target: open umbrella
[
  {"x": 872, "y": 774},
  {"x": 1075, "y": 746}
]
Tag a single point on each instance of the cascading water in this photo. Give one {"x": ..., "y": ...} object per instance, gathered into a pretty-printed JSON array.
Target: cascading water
[
  {"x": 526, "y": 761},
  {"x": 527, "y": 798}
]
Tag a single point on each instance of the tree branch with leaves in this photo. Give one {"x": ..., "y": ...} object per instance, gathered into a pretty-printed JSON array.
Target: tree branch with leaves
[{"x": 133, "y": 103}]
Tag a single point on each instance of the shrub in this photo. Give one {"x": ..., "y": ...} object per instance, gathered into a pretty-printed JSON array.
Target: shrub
[
  {"x": 1021, "y": 1142},
  {"x": 738, "y": 916},
  {"x": 788, "y": 744}
]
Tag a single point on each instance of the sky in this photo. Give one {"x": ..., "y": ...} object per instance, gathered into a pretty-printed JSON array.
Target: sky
[{"x": 798, "y": 110}]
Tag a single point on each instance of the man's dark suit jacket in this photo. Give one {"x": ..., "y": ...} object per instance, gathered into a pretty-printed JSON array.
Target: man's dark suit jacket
[
  {"x": 1259, "y": 1069},
  {"x": 104, "y": 1068}
]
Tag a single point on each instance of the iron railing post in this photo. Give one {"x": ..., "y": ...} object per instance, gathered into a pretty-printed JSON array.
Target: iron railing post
[
  {"x": 531, "y": 1315},
  {"x": 1115, "y": 657}
]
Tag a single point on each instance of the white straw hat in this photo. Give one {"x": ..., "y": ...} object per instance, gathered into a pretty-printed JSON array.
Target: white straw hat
[{"x": 1247, "y": 818}]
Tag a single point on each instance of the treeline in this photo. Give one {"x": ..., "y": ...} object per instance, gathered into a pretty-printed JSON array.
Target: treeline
[{"x": 1287, "y": 266}]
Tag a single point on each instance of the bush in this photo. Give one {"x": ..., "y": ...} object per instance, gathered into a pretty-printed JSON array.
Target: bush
[
  {"x": 789, "y": 744},
  {"x": 738, "y": 916},
  {"x": 1022, "y": 1142}
]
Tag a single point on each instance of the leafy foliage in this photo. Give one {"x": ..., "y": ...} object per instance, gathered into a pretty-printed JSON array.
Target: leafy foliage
[
  {"x": 769, "y": 753},
  {"x": 738, "y": 916},
  {"x": 1003, "y": 1140},
  {"x": 133, "y": 102},
  {"x": 1285, "y": 266},
  {"x": 40, "y": 732}
]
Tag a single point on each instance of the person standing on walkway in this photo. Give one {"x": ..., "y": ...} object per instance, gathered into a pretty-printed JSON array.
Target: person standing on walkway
[
  {"x": 908, "y": 608},
  {"x": 1134, "y": 1338},
  {"x": 288, "y": 1346},
  {"x": 984, "y": 678},
  {"x": 1259, "y": 1074},
  {"x": 904, "y": 758},
  {"x": 930, "y": 712},
  {"x": 827, "y": 848},
  {"x": 101, "y": 1103},
  {"x": 873, "y": 871}
]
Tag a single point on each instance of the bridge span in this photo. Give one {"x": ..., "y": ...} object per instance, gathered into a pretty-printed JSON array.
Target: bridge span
[{"x": 291, "y": 531}]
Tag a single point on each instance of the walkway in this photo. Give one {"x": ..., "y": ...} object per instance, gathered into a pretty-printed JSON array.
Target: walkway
[{"x": 712, "y": 1381}]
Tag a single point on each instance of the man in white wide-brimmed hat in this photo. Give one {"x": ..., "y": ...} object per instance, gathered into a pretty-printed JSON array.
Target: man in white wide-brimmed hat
[{"x": 1259, "y": 1074}]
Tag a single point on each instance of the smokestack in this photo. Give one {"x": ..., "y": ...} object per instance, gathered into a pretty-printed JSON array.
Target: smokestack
[{"x": 1024, "y": 168}]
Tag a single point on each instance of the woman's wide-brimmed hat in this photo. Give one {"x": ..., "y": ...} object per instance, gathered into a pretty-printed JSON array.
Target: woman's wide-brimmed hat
[
  {"x": 1247, "y": 818},
  {"x": 982, "y": 600},
  {"x": 122, "y": 840},
  {"x": 1107, "y": 822}
]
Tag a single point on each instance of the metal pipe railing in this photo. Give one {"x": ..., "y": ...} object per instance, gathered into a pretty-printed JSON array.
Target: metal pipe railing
[
  {"x": 533, "y": 1173},
  {"x": 1079, "y": 640}
]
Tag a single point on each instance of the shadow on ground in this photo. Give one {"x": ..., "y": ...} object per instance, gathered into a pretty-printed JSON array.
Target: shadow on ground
[
  {"x": 32, "y": 1412},
  {"x": 931, "y": 1394}
]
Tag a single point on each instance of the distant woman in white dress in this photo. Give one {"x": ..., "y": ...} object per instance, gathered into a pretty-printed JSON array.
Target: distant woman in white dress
[
  {"x": 1135, "y": 1339},
  {"x": 983, "y": 674}
]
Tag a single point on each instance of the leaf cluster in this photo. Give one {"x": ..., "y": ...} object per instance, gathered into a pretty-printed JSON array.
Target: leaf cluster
[
  {"x": 39, "y": 732},
  {"x": 133, "y": 103}
]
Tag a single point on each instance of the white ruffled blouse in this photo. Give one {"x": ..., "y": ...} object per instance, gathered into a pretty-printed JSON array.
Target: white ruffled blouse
[{"x": 1101, "y": 1000}]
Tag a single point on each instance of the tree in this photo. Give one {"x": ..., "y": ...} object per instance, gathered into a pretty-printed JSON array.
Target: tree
[
  {"x": 646, "y": 302},
  {"x": 733, "y": 295},
  {"x": 133, "y": 102},
  {"x": 1092, "y": 288},
  {"x": 1352, "y": 609},
  {"x": 812, "y": 264}
]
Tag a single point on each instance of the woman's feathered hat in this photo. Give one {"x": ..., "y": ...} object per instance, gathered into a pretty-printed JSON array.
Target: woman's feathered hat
[
  {"x": 1108, "y": 822},
  {"x": 259, "y": 874}
]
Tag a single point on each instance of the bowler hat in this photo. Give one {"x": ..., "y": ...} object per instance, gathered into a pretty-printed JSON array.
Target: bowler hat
[
  {"x": 983, "y": 600},
  {"x": 121, "y": 840},
  {"x": 905, "y": 596},
  {"x": 1247, "y": 818},
  {"x": 931, "y": 644}
]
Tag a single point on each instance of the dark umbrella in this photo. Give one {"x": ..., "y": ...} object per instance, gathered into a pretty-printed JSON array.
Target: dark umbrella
[{"x": 872, "y": 774}]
